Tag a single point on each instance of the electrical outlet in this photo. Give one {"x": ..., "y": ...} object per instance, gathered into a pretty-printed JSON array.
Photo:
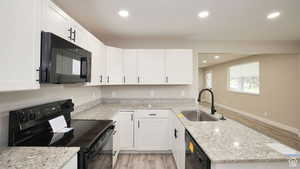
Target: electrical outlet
[
  {"x": 182, "y": 93},
  {"x": 152, "y": 93}
]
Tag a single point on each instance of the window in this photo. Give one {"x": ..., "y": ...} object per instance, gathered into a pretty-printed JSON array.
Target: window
[
  {"x": 244, "y": 78},
  {"x": 208, "y": 80}
]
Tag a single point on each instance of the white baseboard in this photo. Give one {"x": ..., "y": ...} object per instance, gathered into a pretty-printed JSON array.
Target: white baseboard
[{"x": 264, "y": 120}]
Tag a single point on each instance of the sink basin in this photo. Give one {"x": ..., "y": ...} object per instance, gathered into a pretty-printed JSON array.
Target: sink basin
[{"x": 196, "y": 115}]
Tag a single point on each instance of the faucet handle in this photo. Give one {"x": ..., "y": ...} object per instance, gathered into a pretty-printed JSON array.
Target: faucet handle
[{"x": 222, "y": 118}]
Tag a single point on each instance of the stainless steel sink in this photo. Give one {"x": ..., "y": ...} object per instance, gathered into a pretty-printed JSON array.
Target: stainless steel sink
[{"x": 196, "y": 115}]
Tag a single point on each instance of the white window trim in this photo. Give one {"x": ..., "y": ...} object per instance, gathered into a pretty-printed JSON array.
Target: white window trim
[
  {"x": 205, "y": 73},
  {"x": 242, "y": 92}
]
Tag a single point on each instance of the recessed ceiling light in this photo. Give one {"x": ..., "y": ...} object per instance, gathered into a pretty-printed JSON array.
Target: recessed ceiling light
[
  {"x": 204, "y": 61},
  {"x": 203, "y": 14},
  {"x": 124, "y": 13},
  {"x": 273, "y": 15},
  {"x": 217, "y": 57}
]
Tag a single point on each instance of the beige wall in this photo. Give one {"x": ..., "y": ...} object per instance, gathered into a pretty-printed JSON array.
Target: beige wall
[
  {"x": 279, "y": 86},
  {"x": 15, "y": 100}
]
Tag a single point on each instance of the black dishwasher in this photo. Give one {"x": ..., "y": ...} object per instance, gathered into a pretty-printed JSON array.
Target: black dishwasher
[{"x": 195, "y": 157}]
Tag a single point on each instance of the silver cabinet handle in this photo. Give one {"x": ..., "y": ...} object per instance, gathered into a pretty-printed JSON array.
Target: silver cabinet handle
[
  {"x": 153, "y": 114},
  {"x": 71, "y": 33},
  {"x": 138, "y": 124},
  {"x": 131, "y": 117}
]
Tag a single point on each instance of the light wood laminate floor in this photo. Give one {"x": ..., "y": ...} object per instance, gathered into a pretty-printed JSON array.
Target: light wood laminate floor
[{"x": 145, "y": 161}]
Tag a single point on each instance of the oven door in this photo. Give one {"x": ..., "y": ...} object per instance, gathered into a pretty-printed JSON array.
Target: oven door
[
  {"x": 101, "y": 154},
  {"x": 63, "y": 62},
  {"x": 195, "y": 158}
]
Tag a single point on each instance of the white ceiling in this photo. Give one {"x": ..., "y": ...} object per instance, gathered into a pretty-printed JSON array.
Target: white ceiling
[
  {"x": 224, "y": 57},
  {"x": 177, "y": 19}
]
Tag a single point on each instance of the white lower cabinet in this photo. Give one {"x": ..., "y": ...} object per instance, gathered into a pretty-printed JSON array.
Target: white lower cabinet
[
  {"x": 178, "y": 142},
  {"x": 126, "y": 124},
  {"x": 151, "y": 130},
  {"x": 72, "y": 164},
  {"x": 116, "y": 141}
]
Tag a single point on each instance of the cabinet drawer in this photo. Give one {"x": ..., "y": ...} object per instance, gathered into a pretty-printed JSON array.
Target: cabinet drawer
[{"x": 151, "y": 114}]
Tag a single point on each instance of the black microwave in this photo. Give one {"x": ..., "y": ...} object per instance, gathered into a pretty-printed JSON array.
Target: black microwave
[{"x": 62, "y": 61}]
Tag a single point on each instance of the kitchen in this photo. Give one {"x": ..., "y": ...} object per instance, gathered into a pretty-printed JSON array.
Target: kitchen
[{"x": 124, "y": 85}]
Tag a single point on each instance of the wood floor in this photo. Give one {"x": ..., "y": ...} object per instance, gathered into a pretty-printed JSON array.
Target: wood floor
[{"x": 145, "y": 161}]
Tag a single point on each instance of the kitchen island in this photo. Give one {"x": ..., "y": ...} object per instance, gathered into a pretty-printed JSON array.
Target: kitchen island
[{"x": 228, "y": 144}]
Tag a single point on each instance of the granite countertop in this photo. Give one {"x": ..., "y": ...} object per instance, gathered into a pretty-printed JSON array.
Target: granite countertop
[
  {"x": 223, "y": 141},
  {"x": 36, "y": 157}
]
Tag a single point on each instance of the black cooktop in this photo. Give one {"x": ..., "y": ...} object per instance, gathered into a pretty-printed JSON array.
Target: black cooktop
[{"x": 83, "y": 135}]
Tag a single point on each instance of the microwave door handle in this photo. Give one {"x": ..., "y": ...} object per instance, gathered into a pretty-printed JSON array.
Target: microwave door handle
[{"x": 83, "y": 64}]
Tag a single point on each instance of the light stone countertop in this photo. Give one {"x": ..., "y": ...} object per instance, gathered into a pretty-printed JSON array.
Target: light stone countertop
[
  {"x": 36, "y": 157},
  {"x": 223, "y": 141}
]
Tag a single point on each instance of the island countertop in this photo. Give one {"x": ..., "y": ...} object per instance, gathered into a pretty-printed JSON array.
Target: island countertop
[
  {"x": 36, "y": 157},
  {"x": 223, "y": 141}
]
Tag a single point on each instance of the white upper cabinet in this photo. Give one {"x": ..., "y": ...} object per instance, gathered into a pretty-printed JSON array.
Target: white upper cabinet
[
  {"x": 95, "y": 47},
  {"x": 102, "y": 68},
  {"x": 179, "y": 66},
  {"x": 20, "y": 44},
  {"x": 58, "y": 22},
  {"x": 151, "y": 66},
  {"x": 130, "y": 66},
  {"x": 55, "y": 20},
  {"x": 79, "y": 34},
  {"x": 114, "y": 65}
]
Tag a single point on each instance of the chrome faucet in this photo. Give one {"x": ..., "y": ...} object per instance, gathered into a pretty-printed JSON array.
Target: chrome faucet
[{"x": 213, "y": 109}]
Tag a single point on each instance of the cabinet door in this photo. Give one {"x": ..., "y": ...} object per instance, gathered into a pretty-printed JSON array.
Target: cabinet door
[
  {"x": 173, "y": 133},
  {"x": 55, "y": 20},
  {"x": 20, "y": 44},
  {"x": 151, "y": 134},
  {"x": 179, "y": 143},
  {"x": 114, "y": 65},
  {"x": 80, "y": 35},
  {"x": 130, "y": 66},
  {"x": 103, "y": 63},
  {"x": 125, "y": 121},
  {"x": 179, "y": 66},
  {"x": 94, "y": 46},
  {"x": 151, "y": 66},
  {"x": 116, "y": 141}
]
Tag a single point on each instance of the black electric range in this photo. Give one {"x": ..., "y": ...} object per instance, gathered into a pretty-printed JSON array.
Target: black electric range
[{"x": 30, "y": 127}]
